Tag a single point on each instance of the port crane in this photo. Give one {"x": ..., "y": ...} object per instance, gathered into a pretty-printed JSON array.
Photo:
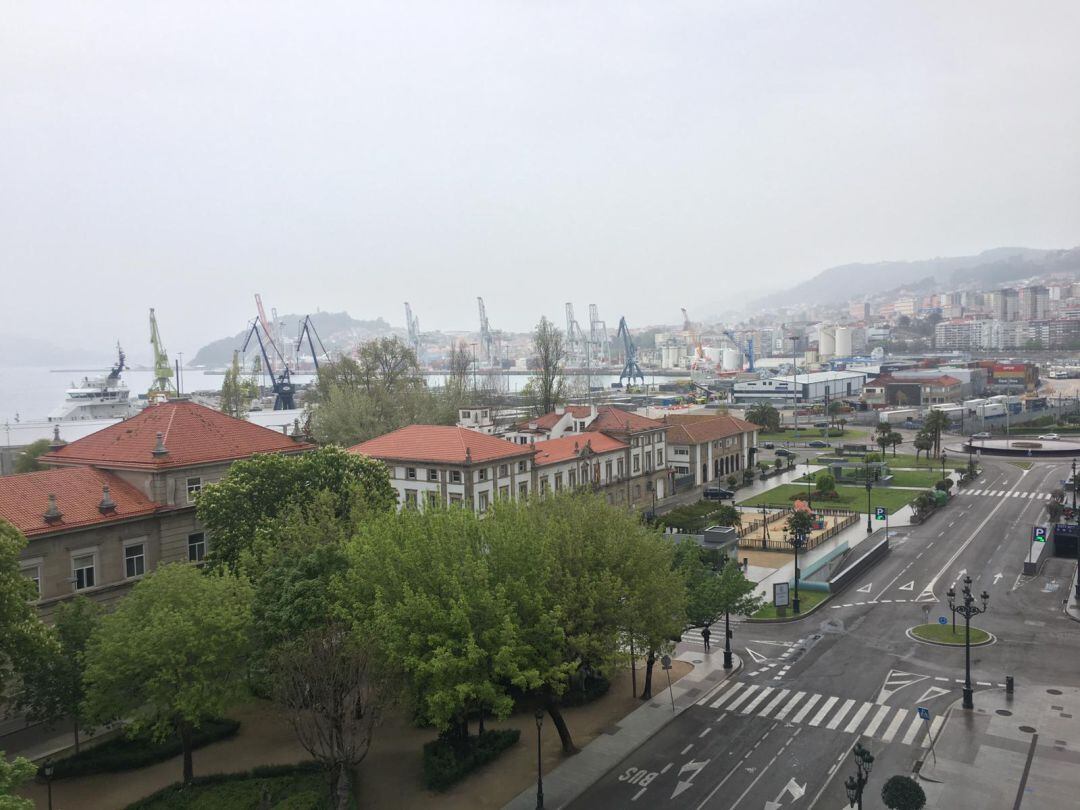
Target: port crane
[
  {"x": 631, "y": 370},
  {"x": 412, "y": 323},
  {"x": 748, "y": 349},
  {"x": 307, "y": 329},
  {"x": 163, "y": 370},
  {"x": 487, "y": 339},
  {"x": 284, "y": 391},
  {"x": 598, "y": 336},
  {"x": 577, "y": 344}
]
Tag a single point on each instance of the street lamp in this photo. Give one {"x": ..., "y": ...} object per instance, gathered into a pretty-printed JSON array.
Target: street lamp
[
  {"x": 539, "y": 715},
  {"x": 797, "y": 541},
  {"x": 967, "y": 610},
  {"x": 942, "y": 465},
  {"x": 1077, "y": 519},
  {"x": 864, "y": 762},
  {"x": 764, "y": 528},
  {"x": 48, "y": 779},
  {"x": 869, "y": 486},
  {"x": 971, "y": 464}
]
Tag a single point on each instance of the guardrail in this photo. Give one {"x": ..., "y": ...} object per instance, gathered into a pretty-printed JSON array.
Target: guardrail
[{"x": 873, "y": 554}]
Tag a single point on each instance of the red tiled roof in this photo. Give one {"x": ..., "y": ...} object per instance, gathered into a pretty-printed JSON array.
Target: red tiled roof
[
  {"x": 610, "y": 418},
  {"x": 698, "y": 429},
  {"x": 568, "y": 447},
  {"x": 548, "y": 420},
  {"x": 192, "y": 433},
  {"x": 24, "y": 499},
  {"x": 443, "y": 444}
]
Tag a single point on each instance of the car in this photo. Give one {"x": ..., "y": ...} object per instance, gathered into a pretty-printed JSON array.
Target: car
[
  {"x": 983, "y": 435},
  {"x": 1049, "y": 437},
  {"x": 769, "y": 445},
  {"x": 783, "y": 451},
  {"x": 817, "y": 443},
  {"x": 821, "y": 424},
  {"x": 717, "y": 493}
]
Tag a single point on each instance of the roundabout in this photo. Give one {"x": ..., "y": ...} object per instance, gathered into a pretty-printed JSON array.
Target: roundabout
[
  {"x": 942, "y": 635},
  {"x": 1019, "y": 447}
]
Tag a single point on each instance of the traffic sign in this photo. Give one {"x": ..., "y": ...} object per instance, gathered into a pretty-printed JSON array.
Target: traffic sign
[
  {"x": 880, "y": 513},
  {"x": 1038, "y": 534},
  {"x": 924, "y": 712},
  {"x": 942, "y": 620}
]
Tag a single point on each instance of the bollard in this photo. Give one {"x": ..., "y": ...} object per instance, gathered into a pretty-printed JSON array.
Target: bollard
[
  {"x": 745, "y": 563},
  {"x": 1008, "y": 684}
]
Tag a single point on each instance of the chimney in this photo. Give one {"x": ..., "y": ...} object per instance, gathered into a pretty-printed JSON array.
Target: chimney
[
  {"x": 468, "y": 456},
  {"x": 56, "y": 442},
  {"x": 107, "y": 504},
  {"x": 160, "y": 449},
  {"x": 53, "y": 513}
]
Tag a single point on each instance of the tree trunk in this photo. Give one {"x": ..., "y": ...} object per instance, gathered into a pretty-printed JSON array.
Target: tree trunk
[
  {"x": 551, "y": 703},
  {"x": 646, "y": 692},
  {"x": 185, "y": 741},
  {"x": 75, "y": 724},
  {"x": 633, "y": 669},
  {"x": 343, "y": 792}
]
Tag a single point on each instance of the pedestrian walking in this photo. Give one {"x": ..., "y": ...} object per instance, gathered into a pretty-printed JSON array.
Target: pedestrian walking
[{"x": 705, "y": 637}]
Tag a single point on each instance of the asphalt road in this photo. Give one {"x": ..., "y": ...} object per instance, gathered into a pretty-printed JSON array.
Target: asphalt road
[{"x": 780, "y": 734}]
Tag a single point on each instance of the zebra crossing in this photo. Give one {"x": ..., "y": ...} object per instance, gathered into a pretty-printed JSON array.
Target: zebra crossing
[
  {"x": 1003, "y": 493},
  {"x": 866, "y": 718},
  {"x": 716, "y": 633}
]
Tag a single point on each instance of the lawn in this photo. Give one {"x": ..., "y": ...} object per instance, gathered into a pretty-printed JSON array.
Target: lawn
[
  {"x": 306, "y": 789},
  {"x": 809, "y": 434},
  {"x": 807, "y": 600},
  {"x": 943, "y": 634},
  {"x": 853, "y": 498},
  {"x": 901, "y": 460},
  {"x": 902, "y": 478}
]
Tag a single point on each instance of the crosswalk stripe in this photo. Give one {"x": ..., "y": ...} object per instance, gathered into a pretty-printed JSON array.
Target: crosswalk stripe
[
  {"x": 780, "y": 715},
  {"x": 805, "y": 710},
  {"x": 825, "y": 709},
  {"x": 843, "y": 710},
  {"x": 975, "y": 491},
  {"x": 858, "y": 717},
  {"x": 764, "y": 693},
  {"x": 913, "y": 729},
  {"x": 742, "y": 698},
  {"x": 735, "y": 687},
  {"x": 894, "y": 726},
  {"x": 878, "y": 718},
  {"x": 935, "y": 724},
  {"x": 774, "y": 703}
]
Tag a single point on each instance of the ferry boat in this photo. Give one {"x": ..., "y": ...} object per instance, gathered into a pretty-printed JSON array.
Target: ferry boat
[{"x": 104, "y": 397}]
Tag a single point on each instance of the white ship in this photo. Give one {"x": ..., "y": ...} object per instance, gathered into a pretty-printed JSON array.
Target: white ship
[{"x": 104, "y": 397}]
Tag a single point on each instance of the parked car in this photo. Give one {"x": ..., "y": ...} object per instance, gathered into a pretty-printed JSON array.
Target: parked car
[
  {"x": 714, "y": 493},
  {"x": 769, "y": 445},
  {"x": 983, "y": 435},
  {"x": 1050, "y": 437},
  {"x": 821, "y": 424},
  {"x": 818, "y": 443},
  {"x": 783, "y": 451}
]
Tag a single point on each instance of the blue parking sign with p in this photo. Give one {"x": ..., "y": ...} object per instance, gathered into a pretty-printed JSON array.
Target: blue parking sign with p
[
  {"x": 1038, "y": 534},
  {"x": 879, "y": 513}
]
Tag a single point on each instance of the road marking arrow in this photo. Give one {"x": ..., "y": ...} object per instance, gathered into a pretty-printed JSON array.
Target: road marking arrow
[
  {"x": 794, "y": 788},
  {"x": 684, "y": 784},
  {"x": 895, "y": 681},
  {"x": 866, "y": 588},
  {"x": 931, "y": 693},
  {"x": 758, "y": 657},
  {"x": 926, "y": 596},
  {"x": 961, "y": 573},
  {"x": 997, "y": 577},
  {"x": 909, "y": 587}
]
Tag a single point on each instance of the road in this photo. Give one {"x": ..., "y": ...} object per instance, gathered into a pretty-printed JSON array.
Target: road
[{"x": 780, "y": 734}]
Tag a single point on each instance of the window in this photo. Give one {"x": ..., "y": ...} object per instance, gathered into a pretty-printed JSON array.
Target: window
[
  {"x": 543, "y": 485},
  {"x": 523, "y": 489},
  {"x": 637, "y": 490},
  {"x": 134, "y": 561},
  {"x": 455, "y": 500},
  {"x": 504, "y": 492},
  {"x": 410, "y": 473},
  {"x": 523, "y": 466},
  {"x": 194, "y": 487},
  {"x": 504, "y": 470},
  {"x": 659, "y": 458},
  {"x": 571, "y": 478},
  {"x": 637, "y": 463},
  {"x": 410, "y": 499},
  {"x": 607, "y": 470},
  {"x": 433, "y": 499},
  {"x": 196, "y": 547},
  {"x": 558, "y": 481},
  {"x": 432, "y": 475},
  {"x": 482, "y": 502},
  {"x": 33, "y": 573},
  {"x": 481, "y": 474},
  {"x": 455, "y": 476},
  {"x": 83, "y": 568},
  {"x": 648, "y": 461},
  {"x": 620, "y": 467},
  {"x": 466, "y": 415}
]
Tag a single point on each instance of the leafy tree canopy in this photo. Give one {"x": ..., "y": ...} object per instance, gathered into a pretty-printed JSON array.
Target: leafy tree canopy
[
  {"x": 765, "y": 415},
  {"x": 23, "y": 638},
  {"x": 12, "y": 776},
  {"x": 27, "y": 460}
]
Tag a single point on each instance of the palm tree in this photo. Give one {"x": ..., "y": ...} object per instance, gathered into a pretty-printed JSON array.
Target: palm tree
[
  {"x": 934, "y": 424},
  {"x": 922, "y": 443},
  {"x": 895, "y": 439}
]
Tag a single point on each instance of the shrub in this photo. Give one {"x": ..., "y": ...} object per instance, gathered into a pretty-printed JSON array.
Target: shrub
[
  {"x": 945, "y": 484},
  {"x": 305, "y": 800},
  {"x": 128, "y": 753},
  {"x": 903, "y": 793},
  {"x": 243, "y": 789},
  {"x": 447, "y": 761},
  {"x": 732, "y": 481},
  {"x": 591, "y": 688}
]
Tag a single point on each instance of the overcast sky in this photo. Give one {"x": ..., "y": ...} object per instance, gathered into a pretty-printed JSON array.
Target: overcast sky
[{"x": 642, "y": 156}]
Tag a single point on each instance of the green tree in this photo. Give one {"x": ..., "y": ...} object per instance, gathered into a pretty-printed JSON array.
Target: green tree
[
  {"x": 935, "y": 424},
  {"x": 53, "y": 683},
  {"x": 234, "y": 391},
  {"x": 834, "y": 409},
  {"x": 1054, "y": 510},
  {"x": 27, "y": 460},
  {"x": 800, "y": 522},
  {"x": 13, "y": 775},
  {"x": 172, "y": 654},
  {"x": 244, "y": 507},
  {"x": 902, "y": 793},
  {"x": 726, "y": 515},
  {"x": 765, "y": 416},
  {"x": 895, "y": 439},
  {"x": 825, "y": 482},
  {"x": 23, "y": 638},
  {"x": 923, "y": 444},
  {"x": 882, "y": 441},
  {"x": 711, "y": 594},
  {"x": 549, "y": 351}
]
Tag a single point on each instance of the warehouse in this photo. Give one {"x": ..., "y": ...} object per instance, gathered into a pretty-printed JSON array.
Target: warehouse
[{"x": 821, "y": 386}]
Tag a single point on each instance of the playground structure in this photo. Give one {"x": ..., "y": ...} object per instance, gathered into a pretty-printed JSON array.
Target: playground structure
[{"x": 772, "y": 537}]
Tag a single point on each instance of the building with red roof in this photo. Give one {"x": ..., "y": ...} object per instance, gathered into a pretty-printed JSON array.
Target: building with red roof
[
  {"x": 118, "y": 502},
  {"x": 595, "y": 460},
  {"x": 710, "y": 446}
]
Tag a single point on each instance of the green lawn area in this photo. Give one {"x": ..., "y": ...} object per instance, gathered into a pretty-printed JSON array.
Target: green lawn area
[
  {"x": 943, "y": 634},
  {"x": 807, "y": 600},
  {"x": 901, "y": 460},
  {"x": 300, "y": 789},
  {"x": 904, "y": 478},
  {"x": 853, "y": 498},
  {"x": 809, "y": 434}
]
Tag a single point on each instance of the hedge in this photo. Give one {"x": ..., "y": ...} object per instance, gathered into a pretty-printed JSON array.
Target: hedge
[
  {"x": 448, "y": 761},
  {"x": 304, "y": 786},
  {"x": 127, "y": 753},
  {"x": 591, "y": 688}
]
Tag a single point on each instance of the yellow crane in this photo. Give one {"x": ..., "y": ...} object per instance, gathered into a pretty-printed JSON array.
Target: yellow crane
[{"x": 162, "y": 386}]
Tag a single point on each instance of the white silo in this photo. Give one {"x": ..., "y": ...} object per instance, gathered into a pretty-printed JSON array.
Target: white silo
[
  {"x": 843, "y": 341},
  {"x": 826, "y": 341},
  {"x": 713, "y": 354},
  {"x": 732, "y": 360}
]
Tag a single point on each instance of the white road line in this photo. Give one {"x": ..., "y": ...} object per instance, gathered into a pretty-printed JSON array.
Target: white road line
[
  {"x": 784, "y": 712},
  {"x": 805, "y": 710},
  {"x": 637, "y": 795},
  {"x": 878, "y": 718},
  {"x": 894, "y": 726},
  {"x": 858, "y": 717},
  {"x": 939, "y": 678},
  {"x": 766, "y": 768},
  {"x": 742, "y": 698},
  {"x": 691, "y": 745},
  {"x": 935, "y": 724},
  {"x": 840, "y": 714},
  {"x": 764, "y": 693},
  {"x": 983, "y": 683},
  {"x": 704, "y": 731},
  {"x": 825, "y": 709},
  {"x": 665, "y": 768},
  {"x": 731, "y": 773},
  {"x": 913, "y": 729},
  {"x": 774, "y": 703},
  {"x": 735, "y": 687}
]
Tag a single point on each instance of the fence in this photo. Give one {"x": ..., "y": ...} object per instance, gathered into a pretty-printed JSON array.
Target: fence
[{"x": 750, "y": 539}]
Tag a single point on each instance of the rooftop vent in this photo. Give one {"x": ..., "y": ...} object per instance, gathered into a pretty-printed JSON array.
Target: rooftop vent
[
  {"x": 107, "y": 504},
  {"x": 56, "y": 442},
  {"x": 160, "y": 449},
  {"x": 53, "y": 513},
  {"x": 468, "y": 456}
]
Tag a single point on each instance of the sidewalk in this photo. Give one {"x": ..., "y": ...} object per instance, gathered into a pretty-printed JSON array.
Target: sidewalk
[
  {"x": 1072, "y": 607},
  {"x": 1018, "y": 752},
  {"x": 574, "y": 775}
]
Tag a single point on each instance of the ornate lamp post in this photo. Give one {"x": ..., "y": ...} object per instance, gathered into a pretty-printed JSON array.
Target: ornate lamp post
[
  {"x": 942, "y": 465},
  {"x": 854, "y": 785},
  {"x": 539, "y": 715},
  {"x": 764, "y": 528},
  {"x": 48, "y": 779},
  {"x": 967, "y": 609},
  {"x": 971, "y": 464},
  {"x": 869, "y": 486},
  {"x": 797, "y": 541}
]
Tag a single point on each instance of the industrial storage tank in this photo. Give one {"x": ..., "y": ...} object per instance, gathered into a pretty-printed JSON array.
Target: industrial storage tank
[
  {"x": 713, "y": 354},
  {"x": 843, "y": 342},
  {"x": 826, "y": 341},
  {"x": 732, "y": 360}
]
